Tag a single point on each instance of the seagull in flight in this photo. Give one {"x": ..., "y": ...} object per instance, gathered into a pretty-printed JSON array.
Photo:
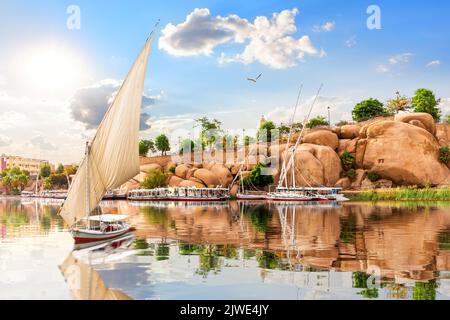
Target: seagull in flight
[{"x": 256, "y": 79}]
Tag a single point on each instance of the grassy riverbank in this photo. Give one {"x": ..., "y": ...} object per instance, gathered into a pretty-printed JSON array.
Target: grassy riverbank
[{"x": 401, "y": 194}]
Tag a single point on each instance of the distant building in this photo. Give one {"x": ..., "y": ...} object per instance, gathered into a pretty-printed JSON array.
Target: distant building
[
  {"x": 262, "y": 121},
  {"x": 31, "y": 165}
]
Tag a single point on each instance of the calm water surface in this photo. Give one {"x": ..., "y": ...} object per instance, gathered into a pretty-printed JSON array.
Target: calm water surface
[{"x": 231, "y": 250}]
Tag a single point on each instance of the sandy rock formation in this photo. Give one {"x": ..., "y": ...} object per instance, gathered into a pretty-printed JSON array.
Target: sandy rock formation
[
  {"x": 419, "y": 119},
  {"x": 443, "y": 134},
  {"x": 357, "y": 181},
  {"x": 174, "y": 181},
  {"x": 182, "y": 170},
  {"x": 404, "y": 154},
  {"x": 223, "y": 174},
  {"x": 322, "y": 138},
  {"x": 316, "y": 165},
  {"x": 343, "y": 183},
  {"x": 190, "y": 183},
  {"x": 348, "y": 145},
  {"x": 150, "y": 167},
  {"x": 350, "y": 131},
  {"x": 208, "y": 178}
]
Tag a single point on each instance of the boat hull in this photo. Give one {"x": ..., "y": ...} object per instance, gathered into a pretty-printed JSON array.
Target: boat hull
[
  {"x": 84, "y": 236},
  {"x": 251, "y": 197}
]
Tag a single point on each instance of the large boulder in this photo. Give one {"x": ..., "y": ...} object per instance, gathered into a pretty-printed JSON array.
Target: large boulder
[
  {"x": 207, "y": 177},
  {"x": 174, "y": 181},
  {"x": 323, "y": 138},
  {"x": 190, "y": 183},
  {"x": 150, "y": 167},
  {"x": 223, "y": 174},
  {"x": 348, "y": 145},
  {"x": 182, "y": 170},
  {"x": 360, "y": 176},
  {"x": 443, "y": 134},
  {"x": 350, "y": 131},
  {"x": 404, "y": 154},
  {"x": 190, "y": 173},
  {"x": 316, "y": 165},
  {"x": 425, "y": 119},
  {"x": 343, "y": 183}
]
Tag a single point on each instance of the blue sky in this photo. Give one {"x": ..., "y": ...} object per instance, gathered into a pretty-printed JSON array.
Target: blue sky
[{"x": 353, "y": 63}]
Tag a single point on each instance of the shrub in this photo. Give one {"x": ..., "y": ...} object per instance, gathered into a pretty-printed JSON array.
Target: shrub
[
  {"x": 317, "y": 122},
  {"x": 351, "y": 174},
  {"x": 444, "y": 154},
  {"x": 373, "y": 176},
  {"x": 447, "y": 119},
  {"x": 348, "y": 160},
  {"x": 368, "y": 109},
  {"x": 172, "y": 169},
  {"x": 154, "y": 179},
  {"x": 257, "y": 179}
]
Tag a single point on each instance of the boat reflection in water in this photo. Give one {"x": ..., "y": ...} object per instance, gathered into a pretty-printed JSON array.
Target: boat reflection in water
[{"x": 84, "y": 282}]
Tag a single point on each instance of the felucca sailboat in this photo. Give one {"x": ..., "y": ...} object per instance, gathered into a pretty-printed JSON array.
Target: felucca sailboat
[{"x": 111, "y": 159}]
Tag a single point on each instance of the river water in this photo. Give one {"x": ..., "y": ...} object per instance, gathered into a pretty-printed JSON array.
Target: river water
[{"x": 235, "y": 250}]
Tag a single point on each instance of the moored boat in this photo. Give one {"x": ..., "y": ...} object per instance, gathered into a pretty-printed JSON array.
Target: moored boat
[
  {"x": 180, "y": 194},
  {"x": 100, "y": 228},
  {"x": 157, "y": 194}
]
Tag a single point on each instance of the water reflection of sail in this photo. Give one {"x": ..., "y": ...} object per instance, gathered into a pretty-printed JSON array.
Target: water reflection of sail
[{"x": 85, "y": 283}]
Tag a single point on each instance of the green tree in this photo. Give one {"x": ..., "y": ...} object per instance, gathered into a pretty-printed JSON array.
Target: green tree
[
  {"x": 257, "y": 179},
  {"x": 447, "y": 119},
  {"x": 318, "y": 121},
  {"x": 211, "y": 129},
  {"x": 145, "y": 146},
  {"x": 283, "y": 129},
  {"x": 154, "y": 179},
  {"x": 265, "y": 133},
  {"x": 47, "y": 183},
  {"x": 60, "y": 169},
  {"x": 162, "y": 144},
  {"x": 45, "y": 170},
  {"x": 425, "y": 101},
  {"x": 368, "y": 109},
  {"x": 14, "y": 179}
]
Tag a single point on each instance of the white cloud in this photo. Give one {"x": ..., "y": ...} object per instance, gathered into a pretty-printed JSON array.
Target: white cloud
[
  {"x": 434, "y": 63},
  {"x": 2, "y": 81},
  {"x": 340, "y": 108},
  {"x": 326, "y": 27},
  {"x": 266, "y": 41},
  {"x": 382, "y": 69},
  {"x": 5, "y": 141},
  {"x": 445, "y": 106},
  {"x": 351, "y": 42},
  {"x": 400, "y": 58},
  {"x": 396, "y": 60}
]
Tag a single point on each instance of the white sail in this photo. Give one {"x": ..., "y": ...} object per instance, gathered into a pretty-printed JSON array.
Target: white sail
[{"x": 113, "y": 156}]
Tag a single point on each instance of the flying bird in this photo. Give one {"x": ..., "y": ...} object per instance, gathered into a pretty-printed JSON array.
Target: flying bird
[{"x": 256, "y": 79}]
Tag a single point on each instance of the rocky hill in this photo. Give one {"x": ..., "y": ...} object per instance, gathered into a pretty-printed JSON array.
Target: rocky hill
[{"x": 400, "y": 151}]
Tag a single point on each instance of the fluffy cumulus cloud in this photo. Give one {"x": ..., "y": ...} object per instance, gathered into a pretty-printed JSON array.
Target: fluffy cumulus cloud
[
  {"x": 267, "y": 41},
  {"x": 340, "y": 109},
  {"x": 89, "y": 104},
  {"x": 326, "y": 27}
]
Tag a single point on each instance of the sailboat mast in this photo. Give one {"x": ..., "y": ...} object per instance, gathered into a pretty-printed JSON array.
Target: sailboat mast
[{"x": 88, "y": 197}]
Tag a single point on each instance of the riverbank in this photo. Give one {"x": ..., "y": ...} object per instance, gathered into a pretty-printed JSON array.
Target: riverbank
[{"x": 400, "y": 194}]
